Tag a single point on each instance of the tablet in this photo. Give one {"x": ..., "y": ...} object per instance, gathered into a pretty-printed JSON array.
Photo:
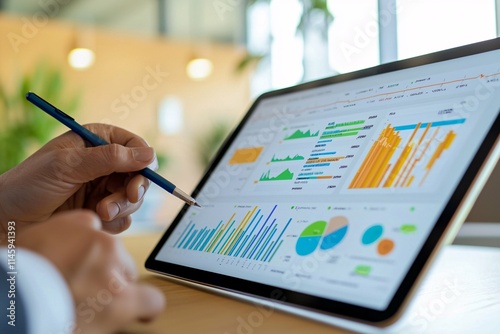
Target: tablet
[{"x": 332, "y": 197}]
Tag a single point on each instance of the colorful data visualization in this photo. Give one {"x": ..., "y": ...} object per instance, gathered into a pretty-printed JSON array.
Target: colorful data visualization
[
  {"x": 372, "y": 235},
  {"x": 257, "y": 236},
  {"x": 324, "y": 234},
  {"x": 395, "y": 162}
]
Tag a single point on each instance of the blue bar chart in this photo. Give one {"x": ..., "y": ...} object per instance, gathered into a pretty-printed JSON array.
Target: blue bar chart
[{"x": 256, "y": 236}]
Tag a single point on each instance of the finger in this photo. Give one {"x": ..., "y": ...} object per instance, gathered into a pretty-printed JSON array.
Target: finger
[
  {"x": 121, "y": 136},
  {"x": 116, "y": 135},
  {"x": 117, "y": 225},
  {"x": 115, "y": 206},
  {"x": 149, "y": 302},
  {"x": 117, "y": 182},
  {"x": 136, "y": 302},
  {"x": 136, "y": 188},
  {"x": 76, "y": 219},
  {"x": 88, "y": 164}
]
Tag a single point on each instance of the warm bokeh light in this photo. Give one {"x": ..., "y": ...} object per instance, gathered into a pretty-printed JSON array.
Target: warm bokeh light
[
  {"x": 199, "y": 68},
  {"x": 81, "y": 58}
]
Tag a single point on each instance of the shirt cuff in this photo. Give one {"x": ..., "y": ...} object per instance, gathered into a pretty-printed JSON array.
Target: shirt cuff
[{"x": 46, "y": 297}]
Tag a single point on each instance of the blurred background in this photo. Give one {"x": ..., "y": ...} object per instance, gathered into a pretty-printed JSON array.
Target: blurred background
[{"x": 182, "y": 73}]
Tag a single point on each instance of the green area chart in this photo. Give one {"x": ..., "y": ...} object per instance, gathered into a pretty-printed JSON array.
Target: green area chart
[{"x": 283, "y": 176}]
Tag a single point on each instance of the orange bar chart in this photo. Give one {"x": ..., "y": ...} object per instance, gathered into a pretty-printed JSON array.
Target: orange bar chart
[{"x": 390, "y": 165}]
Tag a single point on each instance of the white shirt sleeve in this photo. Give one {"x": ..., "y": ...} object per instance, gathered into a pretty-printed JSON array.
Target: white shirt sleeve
[{"x": 46, "y": 297}]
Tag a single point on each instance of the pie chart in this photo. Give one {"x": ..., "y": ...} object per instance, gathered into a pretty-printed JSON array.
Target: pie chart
[
  {"x": 328, "y": 235},
  {"x": 335, "y": 232}
]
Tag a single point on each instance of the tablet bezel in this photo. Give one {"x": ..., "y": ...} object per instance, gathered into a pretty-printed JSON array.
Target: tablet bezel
[{"x": 433, "y": 241}]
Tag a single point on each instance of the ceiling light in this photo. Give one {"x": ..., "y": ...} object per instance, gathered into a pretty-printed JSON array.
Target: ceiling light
[
  {"x": 199, "y": 69},
  {"x": 81, "y": 58}
]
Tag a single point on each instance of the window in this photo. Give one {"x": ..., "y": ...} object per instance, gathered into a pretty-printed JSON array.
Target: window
[
  {"x": 364, "y": 33},
  {"x": 426, "y": 26},
  {"x": 354, "y": 35}
]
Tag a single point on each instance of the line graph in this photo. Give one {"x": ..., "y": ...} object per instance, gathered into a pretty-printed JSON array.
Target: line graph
[
  {"x": 480, "y": 76},
  {"x": 391, "y": 93}
]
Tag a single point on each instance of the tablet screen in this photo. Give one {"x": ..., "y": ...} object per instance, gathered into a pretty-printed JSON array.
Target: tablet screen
[{"x": 331, "y": 189}]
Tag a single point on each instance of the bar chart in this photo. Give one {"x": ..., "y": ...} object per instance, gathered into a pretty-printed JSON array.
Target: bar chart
[
  {"x": 256, "y": 236},
  {"x": 345, "y": 129},
  {"x": 331, "y": 155},
  {"x": 389, "y": 164}
]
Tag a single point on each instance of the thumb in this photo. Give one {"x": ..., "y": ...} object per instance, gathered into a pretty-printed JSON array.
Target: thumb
[{"x": 90, "y": 163}]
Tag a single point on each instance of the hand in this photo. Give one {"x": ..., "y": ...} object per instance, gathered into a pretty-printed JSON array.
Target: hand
[
  {"x": 99, "y": 272},
  {"x": 66, "y": 174}
]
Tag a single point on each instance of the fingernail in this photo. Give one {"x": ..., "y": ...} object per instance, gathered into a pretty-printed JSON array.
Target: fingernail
[
  {"x": 143, "y": 154},
  {"x": 142, "y": 190},
  {"x": 113, "y": 210}
]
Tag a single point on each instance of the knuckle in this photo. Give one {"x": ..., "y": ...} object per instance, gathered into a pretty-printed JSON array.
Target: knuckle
[
  {"x": 107, "y": 243},
  {"x": 118, "y": 225},
  {"x": 87, "y": 217},
  {"x": 114, "y": 151}
]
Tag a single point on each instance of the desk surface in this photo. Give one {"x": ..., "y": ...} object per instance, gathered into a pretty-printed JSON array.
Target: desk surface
[{"x": 461, "y": 294}]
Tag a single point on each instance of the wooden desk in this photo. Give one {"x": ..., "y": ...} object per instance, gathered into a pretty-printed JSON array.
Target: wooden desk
[{"x": 460, "y": 295}]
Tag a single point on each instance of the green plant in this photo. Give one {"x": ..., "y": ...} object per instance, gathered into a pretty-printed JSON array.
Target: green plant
[
  {"x": 310, "y": 8},
  {"x": 23, "y": 127},
  {"x": 208, "y": 143}
]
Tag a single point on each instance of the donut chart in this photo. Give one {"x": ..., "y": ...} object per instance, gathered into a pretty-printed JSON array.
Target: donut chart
[{"x": 324, "y": 234}]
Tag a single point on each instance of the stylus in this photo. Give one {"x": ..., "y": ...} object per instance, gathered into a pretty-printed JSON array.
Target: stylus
[{"x": 98, "y": 141}]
